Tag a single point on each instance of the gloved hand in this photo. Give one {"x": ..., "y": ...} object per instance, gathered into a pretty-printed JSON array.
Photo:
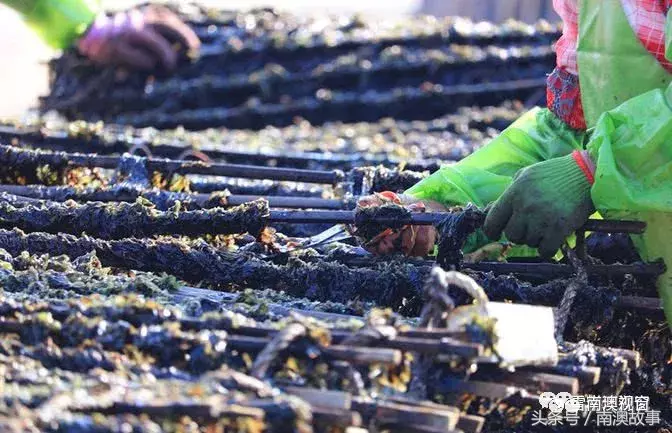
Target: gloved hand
[
  {"x": 416, "y": 241},
  {"x": 545, "y": 203},
  {"x": 141, "y": 39}
]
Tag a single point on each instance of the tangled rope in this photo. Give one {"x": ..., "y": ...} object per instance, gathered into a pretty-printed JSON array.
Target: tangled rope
[
  {"x": 300, "y": 327},
  {"x": 439, "y": 304},
  {"x": 565, "y": 305},
  {"x": 277, "y": 345},
  {"x": 453, "y": 232},
  {"x": 379, "y": 326}
]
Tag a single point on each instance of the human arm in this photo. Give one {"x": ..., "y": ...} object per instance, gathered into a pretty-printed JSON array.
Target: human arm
[
  {"x": 621, "y": 184},
  {"x": 632, "y": 155},
  {"x": 58, "y": 22},
  {"x": 483, "y": 176},
  {"x": 632, "y": 150},
  {"x": 141, "y": 38}
]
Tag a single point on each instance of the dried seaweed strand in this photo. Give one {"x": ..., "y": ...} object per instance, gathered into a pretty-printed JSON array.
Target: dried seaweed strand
[
  {"x": 124, "y": 220},
  {"x": 393, "y": 284}
]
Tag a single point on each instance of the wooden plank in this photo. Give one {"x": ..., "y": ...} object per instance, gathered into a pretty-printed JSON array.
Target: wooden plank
[
  {"x": 541, "y": 382},
  {"x": 422, "y": 403},
  {"x": 322, "y": 397},
  {"x": 329, "y": 417},
  {"x": 450, "y": 385},
  {"x": 633, "y": 357},
  {"x": 466, "y": 423},
  {"x": 364, "y": 355},
  {"x": 388, "y": 413},
  {"x": 443, "y": 346},
  {"x": 470, "y": 423},
  {"x": 587, "y": 376},
  {"x": 533, "y": 382}
]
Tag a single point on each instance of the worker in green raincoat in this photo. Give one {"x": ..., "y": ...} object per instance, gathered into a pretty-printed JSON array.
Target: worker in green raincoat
[
  {"x": 604, "y": 143},
  {"x": 140, "y": 39}
]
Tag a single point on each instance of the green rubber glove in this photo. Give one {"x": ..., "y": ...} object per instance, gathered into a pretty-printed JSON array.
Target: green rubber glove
[{"x": 545, "y": 203}]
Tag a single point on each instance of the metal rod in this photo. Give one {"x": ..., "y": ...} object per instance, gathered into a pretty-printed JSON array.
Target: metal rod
[
  {"x": 297, "y": 216},
  {"x": 640, "y": 303},
  {"x": 17, "y": 156},
  {"x": 613, "y": 226},
  {"x": 290, "y": 202},
  {"x": 62, "y": 193},
  {"x": 430, "y": 218},
  {"x": 553, "y": 270},
  {"x": 56, "y": 141},
  {"x": 345, "y": 217},
  {"x": 245, "y": 171}
]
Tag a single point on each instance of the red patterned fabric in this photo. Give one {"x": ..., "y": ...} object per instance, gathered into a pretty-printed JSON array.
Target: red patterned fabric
[
  {"x": 563, "y": 98},
  {"x": 565, "y": 47},
  {"x": 647, "y": 18}
]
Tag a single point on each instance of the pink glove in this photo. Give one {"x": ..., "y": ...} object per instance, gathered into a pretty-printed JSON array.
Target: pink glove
[{"x": 141, "y": 39}]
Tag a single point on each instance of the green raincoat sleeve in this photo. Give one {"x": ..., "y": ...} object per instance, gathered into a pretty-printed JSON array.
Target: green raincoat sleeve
[
  {"x": 632, "y": 148},
  {"x": 483, "y": 176},
  {"x": 58, "y": 22}
]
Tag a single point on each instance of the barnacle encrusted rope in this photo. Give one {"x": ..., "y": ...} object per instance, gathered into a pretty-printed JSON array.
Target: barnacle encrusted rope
[
  {"x": 126, "y": 220},
  {"x": 438, "y": 303},
  {"x": 367, "y": 227},
  {"x": 453, "y": 233},
  {"x": 565, "y": 306},
  {"x": 298, "y": 328},
  {"x": 436, "y": 311},
  {"x": 372, "y": 179},
  {"x": 277, "y": 345},
  {"x": 378, "y": 327}
]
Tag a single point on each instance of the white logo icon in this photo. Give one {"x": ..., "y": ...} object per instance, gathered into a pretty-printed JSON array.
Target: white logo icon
[{"x": 556, "y": 403}]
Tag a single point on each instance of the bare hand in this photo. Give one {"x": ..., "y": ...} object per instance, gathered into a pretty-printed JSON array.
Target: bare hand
[
  {"x": 140, "y": 39},
  {"x": 416, "y": 241}
]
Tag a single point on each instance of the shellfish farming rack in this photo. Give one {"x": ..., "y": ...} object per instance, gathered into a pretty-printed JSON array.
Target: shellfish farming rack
[{"x": 144, "y": 291}]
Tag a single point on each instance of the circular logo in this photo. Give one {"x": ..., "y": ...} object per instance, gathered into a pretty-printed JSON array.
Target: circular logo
[
  {"x": 545, "y": 399},
  {"x": 556, "y": 403}
]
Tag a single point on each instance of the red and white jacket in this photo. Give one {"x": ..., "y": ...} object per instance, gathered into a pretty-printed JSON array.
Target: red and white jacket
[{"x": 647, "y": 18}]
